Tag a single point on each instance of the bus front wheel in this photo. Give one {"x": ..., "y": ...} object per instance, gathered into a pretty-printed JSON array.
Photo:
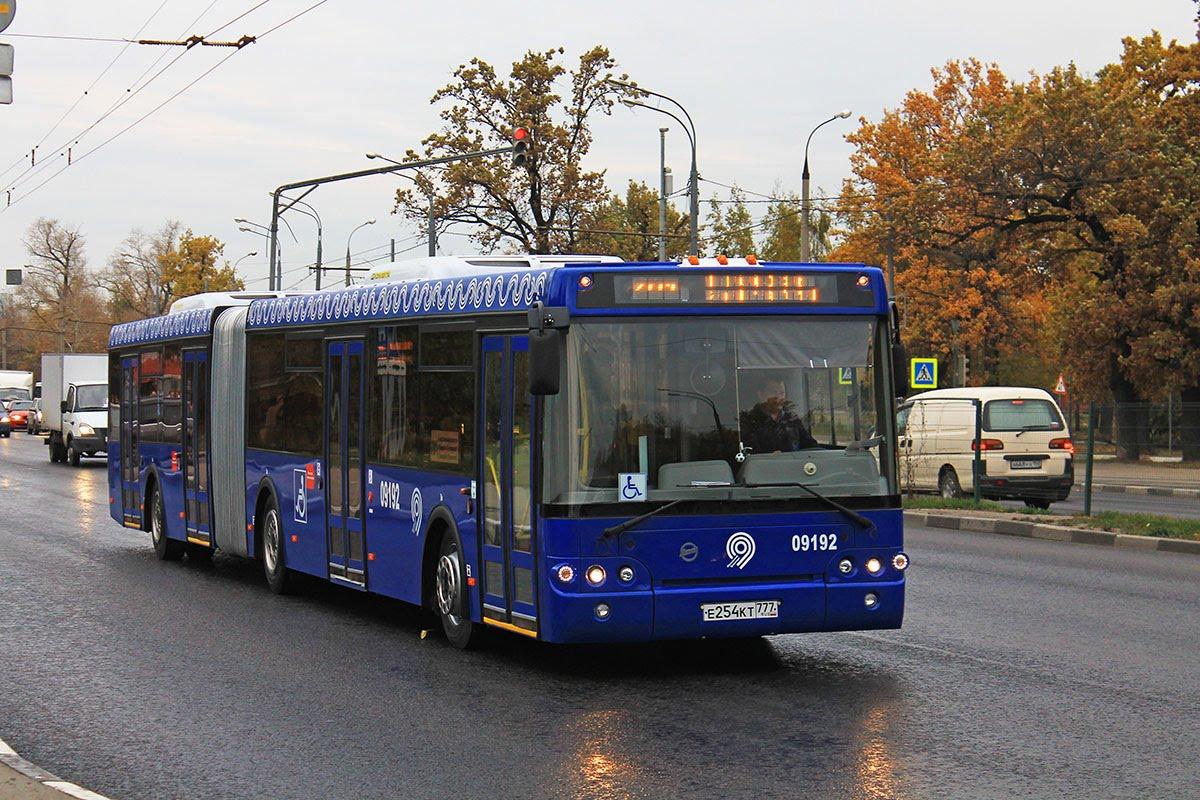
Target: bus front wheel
[
  {"x": 450, "y": 593},
  {"x": 271, "y": 534},
  {"x": 165, "y": 548}
]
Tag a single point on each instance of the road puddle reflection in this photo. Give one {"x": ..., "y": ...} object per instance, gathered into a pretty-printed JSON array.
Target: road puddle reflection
[
  {"x": 603, "y": 772},
  {"x": 876, "y": 765}
]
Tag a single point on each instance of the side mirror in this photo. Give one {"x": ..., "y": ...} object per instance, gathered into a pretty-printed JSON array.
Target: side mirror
[
  {"x": 545, "y": 361},
  {"x": 900, "y": 369},
  {"x": 62, "y": 406}
]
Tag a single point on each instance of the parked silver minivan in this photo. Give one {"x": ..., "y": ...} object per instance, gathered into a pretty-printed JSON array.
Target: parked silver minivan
[{"x": 1025, "y": 447}]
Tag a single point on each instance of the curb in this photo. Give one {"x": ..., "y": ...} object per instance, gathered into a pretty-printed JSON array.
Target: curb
[
  {"x": 35, "y": 774},
  {"x": 1054, "y": 533},
  {"x": 1156, "y": 491}
]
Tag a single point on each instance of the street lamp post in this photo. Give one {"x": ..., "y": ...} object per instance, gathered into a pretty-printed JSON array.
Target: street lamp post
[
  {"x": 431, "y": 219},
  {"x": 348, "y": 238},
  {"x": 662, "y": 194},
  {"x": 690, "y": 129},
  {"x": 312, "y": 213},
  {"x": 275, "y": 265},
  {"x": 805, "y": 246}
]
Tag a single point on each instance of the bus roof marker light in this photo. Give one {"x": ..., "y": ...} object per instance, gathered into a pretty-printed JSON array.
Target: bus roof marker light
[
  {"x": 694, "y": 260},
  {"x": 752, "y": 260}
]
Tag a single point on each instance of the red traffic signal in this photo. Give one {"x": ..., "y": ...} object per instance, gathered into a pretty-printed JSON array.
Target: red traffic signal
[{"x": 520, "y": 147}]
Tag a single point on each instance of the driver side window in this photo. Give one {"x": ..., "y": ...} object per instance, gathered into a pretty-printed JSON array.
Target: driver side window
[
  {"x": 902, "y": 420},
  {"x": 71, "y": 399}
]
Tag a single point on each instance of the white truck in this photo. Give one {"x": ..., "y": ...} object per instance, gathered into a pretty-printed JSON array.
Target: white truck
[
  {"x": 75, "y": 405},
  {"x": 15, "y": 385}
]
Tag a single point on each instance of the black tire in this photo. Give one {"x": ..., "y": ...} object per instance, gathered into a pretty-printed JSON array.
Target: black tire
[
  {"x": 56, "y": 455},
  {"x": 948, "y": 486},
  {"x": 166, "y": 549},
  {"x": 1038, "y": 502},
  {"x": 72, "y": 454},
  {"x": 449, "y": 595},
  {"x": 274, "y": 554}
]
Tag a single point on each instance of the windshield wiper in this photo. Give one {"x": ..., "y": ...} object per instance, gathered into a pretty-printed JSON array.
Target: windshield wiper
[
  {"x": 1027, "y": 428},
  {"x": 851, "y": 514},
  {"x": 621, "y": 527}
]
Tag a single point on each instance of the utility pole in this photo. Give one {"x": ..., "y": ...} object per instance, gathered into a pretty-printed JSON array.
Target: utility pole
[
  {"x": 432, "y": 222},
  {"x": 662, "y": 194}
]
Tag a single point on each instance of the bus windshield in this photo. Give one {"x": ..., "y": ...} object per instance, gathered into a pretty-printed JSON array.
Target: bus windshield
[{"x": 689, "y": 406}]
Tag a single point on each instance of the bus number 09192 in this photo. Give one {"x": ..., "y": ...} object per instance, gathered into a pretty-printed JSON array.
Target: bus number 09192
[{"x": 803, "y": 542}]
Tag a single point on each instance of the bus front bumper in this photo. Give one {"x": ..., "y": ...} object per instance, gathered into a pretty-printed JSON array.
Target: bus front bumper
[{"x": 676, "y": 613}]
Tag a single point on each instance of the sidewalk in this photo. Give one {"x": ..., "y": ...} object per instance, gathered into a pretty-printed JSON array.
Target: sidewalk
[
  {"x": 20, "y": 780},
  {"x": 1120, "y": 476},
  {"x": 16, "y": 786}
]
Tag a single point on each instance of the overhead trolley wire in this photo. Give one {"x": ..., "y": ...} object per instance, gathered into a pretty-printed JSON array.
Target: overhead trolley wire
[{"x": 156, "y": 108}]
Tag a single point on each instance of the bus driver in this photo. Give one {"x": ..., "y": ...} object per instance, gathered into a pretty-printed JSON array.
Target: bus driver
[{"x": 772, "y": 426}]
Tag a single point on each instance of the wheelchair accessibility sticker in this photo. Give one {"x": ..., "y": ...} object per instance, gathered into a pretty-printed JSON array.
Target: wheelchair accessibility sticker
[
  {"x": 631, "y": 487},
  {"x": 300, "y": 485}
]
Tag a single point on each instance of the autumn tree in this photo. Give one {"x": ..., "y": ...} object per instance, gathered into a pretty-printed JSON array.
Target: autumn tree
[
  {"x": 783, "y": 225},
  {"x": 194, "y": 266},
  {"x": 730, "y": 225},
  {"x": 134, "y": 277},
  {"x": 995, "y": 195},
  {"x": 59, "y": 292},
  {"x": 537, "y": 207},
  {"x": 148, "y": 272},
  {"x": 629, "y": 226}
]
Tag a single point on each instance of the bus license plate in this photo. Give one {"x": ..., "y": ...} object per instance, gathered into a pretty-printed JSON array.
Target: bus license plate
[
  {"x": 1025, "y": 463},
  {"x": 756, "y": 609}
]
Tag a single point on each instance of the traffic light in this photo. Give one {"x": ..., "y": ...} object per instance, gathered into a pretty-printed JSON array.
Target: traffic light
[{"x": 520, "y": 148}]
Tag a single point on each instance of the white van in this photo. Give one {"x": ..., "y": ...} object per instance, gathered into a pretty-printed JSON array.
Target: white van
[{"x": 1025, "y": 447}]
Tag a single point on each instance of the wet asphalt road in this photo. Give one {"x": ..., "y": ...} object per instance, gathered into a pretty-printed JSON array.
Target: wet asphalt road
[{"x": 1025, "y": 668}]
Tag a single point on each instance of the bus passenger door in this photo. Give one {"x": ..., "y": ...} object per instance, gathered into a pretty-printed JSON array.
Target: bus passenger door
[
  {"x": 195, "y": 446},
  {"x": 131, "y": 508},
  {"x": 505, "y": 473},
  {"x": 343, "y": 460}
]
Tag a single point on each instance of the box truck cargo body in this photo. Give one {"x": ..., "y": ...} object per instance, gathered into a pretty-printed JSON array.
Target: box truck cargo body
[{"x": 75, "y": 405}]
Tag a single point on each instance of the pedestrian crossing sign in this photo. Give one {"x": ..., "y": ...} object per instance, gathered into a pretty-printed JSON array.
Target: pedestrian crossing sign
[
  {"x": 923, "y": 373},
  {"x": 846, "y": 376}
]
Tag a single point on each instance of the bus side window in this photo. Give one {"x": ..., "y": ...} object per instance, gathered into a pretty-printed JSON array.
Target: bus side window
[{"x": 392, "y": 399}]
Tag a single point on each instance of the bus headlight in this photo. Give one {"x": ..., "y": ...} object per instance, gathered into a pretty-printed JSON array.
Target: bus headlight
[
  {"x": 874, "y": 565},
  {"x": 565, "y": 573},
  {"x": 900, "y": 561},
  {"x": 595, "y": 575}
]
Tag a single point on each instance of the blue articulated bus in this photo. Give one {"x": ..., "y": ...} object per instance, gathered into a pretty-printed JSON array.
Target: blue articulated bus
[{"x": 569, "y": 448}]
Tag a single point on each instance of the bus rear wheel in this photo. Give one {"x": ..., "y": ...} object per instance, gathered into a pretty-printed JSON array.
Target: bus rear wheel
[
  {"x": 273, "y": 554},
  {"x": 166, "y": 549},
  {"x": 450, "y": 595}
]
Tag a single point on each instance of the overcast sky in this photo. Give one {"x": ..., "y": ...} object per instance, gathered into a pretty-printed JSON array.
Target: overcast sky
[{"x": 352, "y": 77}]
